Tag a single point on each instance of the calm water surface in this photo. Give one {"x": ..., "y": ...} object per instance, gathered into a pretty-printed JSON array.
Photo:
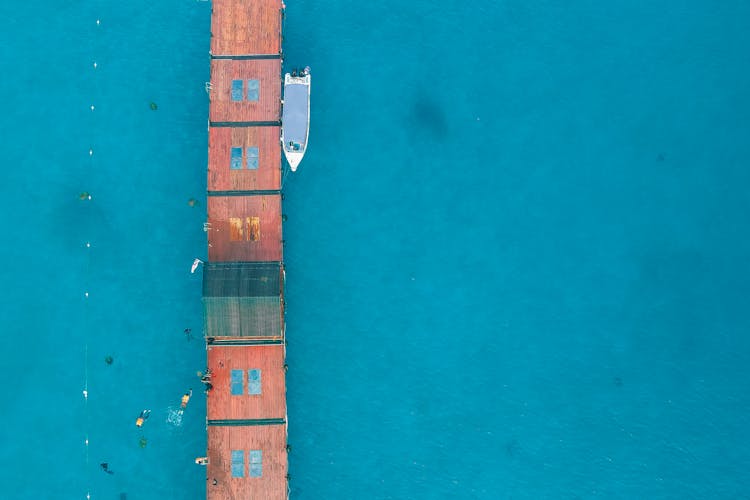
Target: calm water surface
[{"x": 517, "y": 250}]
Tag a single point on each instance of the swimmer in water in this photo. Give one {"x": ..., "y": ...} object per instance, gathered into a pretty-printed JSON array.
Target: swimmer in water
[
  {"x": 142, "y": 418},
  {"x": 186, "y": 398}
]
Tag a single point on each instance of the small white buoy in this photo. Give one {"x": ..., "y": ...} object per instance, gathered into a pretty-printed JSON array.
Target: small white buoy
[
  {"x": 91, "y": 152},
  {"x": 95, "y": 64},
  {"x": 86, "y": 294},
  {"x": 98, "y": 22},
  {"x": 92, "y": 107},
  {"x": 88, "y": 245},
  {"x": 85, "y": 394}
]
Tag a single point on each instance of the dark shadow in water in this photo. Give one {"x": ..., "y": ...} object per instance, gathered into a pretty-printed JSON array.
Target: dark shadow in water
[
  {"x": 428, "y": 120},
  {"x": 672, "y": 301},
  {"x": 512, "y": 448}
]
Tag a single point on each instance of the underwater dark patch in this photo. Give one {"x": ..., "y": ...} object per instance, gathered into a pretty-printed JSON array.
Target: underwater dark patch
[{"x": 428, "y": 119}]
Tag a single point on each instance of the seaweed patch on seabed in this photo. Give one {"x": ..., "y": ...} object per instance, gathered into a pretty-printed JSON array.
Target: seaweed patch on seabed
[{"x": 174, "y": 416}]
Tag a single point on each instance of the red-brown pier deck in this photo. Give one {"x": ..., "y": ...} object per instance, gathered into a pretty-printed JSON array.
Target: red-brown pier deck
[
  {"x": 244, "y": 228},
  {"x": 243, "y": 280}
]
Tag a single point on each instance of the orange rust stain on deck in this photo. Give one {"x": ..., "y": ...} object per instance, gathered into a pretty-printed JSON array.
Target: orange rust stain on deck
[{"x": 231, "y": 235}]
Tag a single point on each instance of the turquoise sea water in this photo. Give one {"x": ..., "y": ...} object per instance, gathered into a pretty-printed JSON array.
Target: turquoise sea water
[{"x": 517, "y": 249}]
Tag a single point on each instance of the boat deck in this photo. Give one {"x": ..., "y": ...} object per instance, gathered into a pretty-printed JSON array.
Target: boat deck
[{"x": 295, "y": 119}]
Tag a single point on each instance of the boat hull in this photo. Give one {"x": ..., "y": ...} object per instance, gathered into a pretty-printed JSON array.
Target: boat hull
[{"x": 295, "y": 120}]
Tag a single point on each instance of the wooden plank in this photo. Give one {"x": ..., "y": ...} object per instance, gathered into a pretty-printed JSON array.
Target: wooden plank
[{"x": 220, "y": 143}]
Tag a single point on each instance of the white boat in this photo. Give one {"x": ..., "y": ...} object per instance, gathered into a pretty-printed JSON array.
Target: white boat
[{"x": 295, "y": 118}]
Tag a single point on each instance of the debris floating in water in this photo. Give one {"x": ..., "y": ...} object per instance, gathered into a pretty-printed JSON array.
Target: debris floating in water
[
  {"x": 84, "y": 196},
  {"x": 109, "y": 360},
  {"x": 153, "y": 106},
  {"x": 143, "y": 442},
  {"x": 192, "y": 202}
]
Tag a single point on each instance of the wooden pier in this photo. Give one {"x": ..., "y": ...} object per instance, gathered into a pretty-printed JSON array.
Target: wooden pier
[{"x": 243, "y": 280}]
